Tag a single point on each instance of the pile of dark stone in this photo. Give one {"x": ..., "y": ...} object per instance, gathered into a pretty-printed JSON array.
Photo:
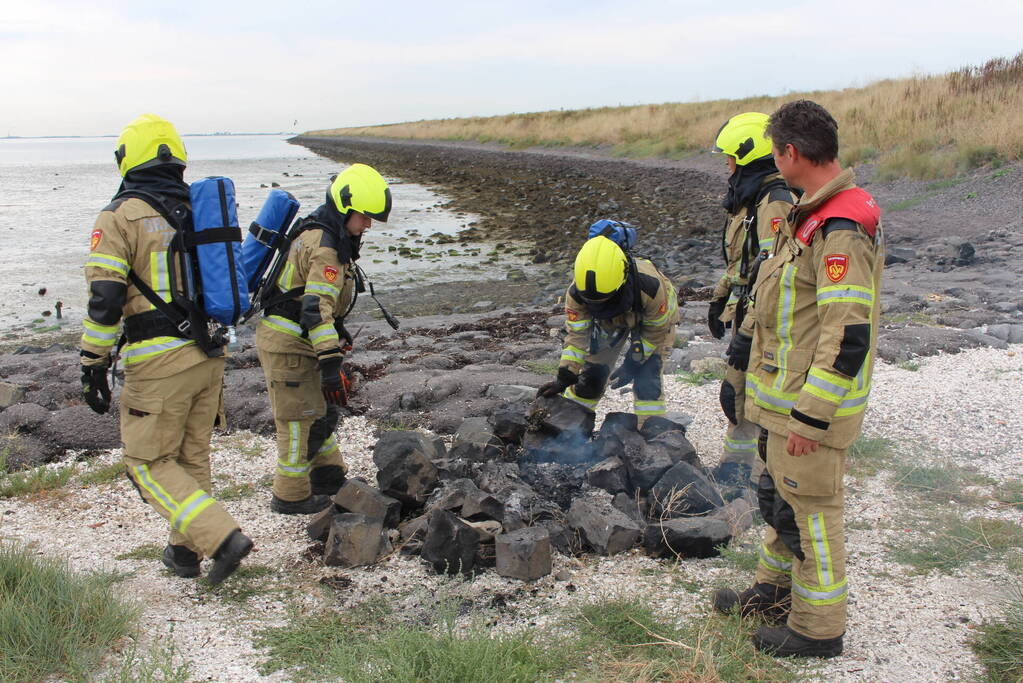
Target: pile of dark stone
[{"x": 525, "y": 482}]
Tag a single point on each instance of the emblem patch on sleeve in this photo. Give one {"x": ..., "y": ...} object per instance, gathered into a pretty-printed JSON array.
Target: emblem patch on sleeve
[
  {"x": 330, "y": 272},
  {"x": 836, "y": 266},
  {"x": 97, "y": 235},
  {"x": 776, "y": 224},
  {"x": 571, "y": 315}
]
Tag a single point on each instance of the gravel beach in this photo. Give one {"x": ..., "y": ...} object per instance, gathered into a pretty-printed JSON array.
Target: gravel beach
[{"x": 903, "y": 626}]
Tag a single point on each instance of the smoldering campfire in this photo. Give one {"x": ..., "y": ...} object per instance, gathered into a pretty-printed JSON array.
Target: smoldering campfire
[{"x": 528, "y": 481}]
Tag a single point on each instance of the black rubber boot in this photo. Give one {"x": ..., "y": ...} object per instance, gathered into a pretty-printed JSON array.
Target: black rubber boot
[
  {"x": 770, "y": 601},
  {"x": 182, "y": 561},
  {"x": 306, "y": 506},
  {"x": 229, "y": 556},
  {"x": 326, "y": 480},
  {"x": 781, "y": 641}
]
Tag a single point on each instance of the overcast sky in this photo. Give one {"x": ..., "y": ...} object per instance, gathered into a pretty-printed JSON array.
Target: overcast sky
[{"x": 88, "y": 68}]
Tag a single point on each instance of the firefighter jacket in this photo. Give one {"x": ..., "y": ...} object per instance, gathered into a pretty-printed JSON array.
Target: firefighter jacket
[
  {"x": 655, "y": 320},
  {"x": 130, "y": 235},
  {"x": 321, "y": 269},
  {"x": 815, "y": 316},
  {"x": 771, "y": 210}
]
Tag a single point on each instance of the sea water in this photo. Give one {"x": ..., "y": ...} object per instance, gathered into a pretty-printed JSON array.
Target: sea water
[{"x": 51, "y": 190}]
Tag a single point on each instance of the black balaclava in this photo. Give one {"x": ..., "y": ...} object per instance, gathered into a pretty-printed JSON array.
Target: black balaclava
[
  {"x": 744, "y": 184},
  {"x": 619, "y": 303},
  {"x": 327, "y": 214},
  {"x": 166, "y": 181}
]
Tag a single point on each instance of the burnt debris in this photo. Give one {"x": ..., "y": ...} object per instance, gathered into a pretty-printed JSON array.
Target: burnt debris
[{"x": 531, "y": 480}]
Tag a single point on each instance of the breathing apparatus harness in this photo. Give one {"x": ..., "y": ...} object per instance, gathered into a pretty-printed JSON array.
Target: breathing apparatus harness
[{"x": 287, "y": 306}]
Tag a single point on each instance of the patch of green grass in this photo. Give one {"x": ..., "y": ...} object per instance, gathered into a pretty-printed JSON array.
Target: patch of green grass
[
  {"x": 941, "y": 483},
  {"x": 702, "y": 377},
  {"x": 743, "y": 559},
  {"x": 542, "y": 366},
  {"x": 999, "y": 643},
  {"x": 1000, "y": 174},
  {"x": 54, "y": 622},
  {"x": 910, "y": 365},
  {"x": 248, "y": 581},
  {"x": 869, "y": 455},
  {"x": 38, "y": 480},
  {"x": 636, "y": 645},
  {"x": 147, "y": 551},
  {"x": 158, "y": 664},
  {"x": 103, "y": 475},
  {"x": 245, "y": 445},
  {"x": 235, "y": 491},
  {"x": 1009, "y": 493},
  {"x": 370, "y": 643},
  {"x": 952, "y": 542}
]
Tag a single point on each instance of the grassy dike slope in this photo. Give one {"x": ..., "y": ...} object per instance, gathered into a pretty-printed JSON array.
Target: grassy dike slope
[{"x": 923, "y": 127}]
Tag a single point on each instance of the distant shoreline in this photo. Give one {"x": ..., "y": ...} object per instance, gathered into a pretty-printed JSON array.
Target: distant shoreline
[{"x": 185, "y": 135}]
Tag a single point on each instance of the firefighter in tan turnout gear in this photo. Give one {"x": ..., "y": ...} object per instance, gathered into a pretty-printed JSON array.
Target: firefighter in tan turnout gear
[
  {"x": 173, "y": 391},
  {"x": 757, "y": 204},
  {"x": 301, "y": 339},
  {"x": 616, "y": 302},
  {"x": 810, "y": 358}
]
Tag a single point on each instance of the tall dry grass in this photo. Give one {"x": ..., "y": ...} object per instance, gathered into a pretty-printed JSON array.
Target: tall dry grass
[{"x": 924, "y": 127}]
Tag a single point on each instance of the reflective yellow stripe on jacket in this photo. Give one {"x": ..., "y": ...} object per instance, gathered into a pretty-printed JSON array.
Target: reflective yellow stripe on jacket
[{"x": 149, "y": 348}]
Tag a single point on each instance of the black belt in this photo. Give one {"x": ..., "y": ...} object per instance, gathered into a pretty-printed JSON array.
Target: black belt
[{"x": 142, "y": 326}]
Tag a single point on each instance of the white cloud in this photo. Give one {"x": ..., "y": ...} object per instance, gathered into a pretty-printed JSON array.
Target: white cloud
[{"x": 89, "y": 68}]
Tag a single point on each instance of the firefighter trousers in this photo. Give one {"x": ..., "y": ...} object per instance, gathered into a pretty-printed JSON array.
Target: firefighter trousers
[
  {"x": 647, "y": 386},
  {"x": 804, "y": 545},
  {"x": 166, "y": 425},
  {"x": 305, "y": 423}
]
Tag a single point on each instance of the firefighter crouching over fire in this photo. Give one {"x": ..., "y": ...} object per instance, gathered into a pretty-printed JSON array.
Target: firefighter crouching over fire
[
  {"x": 616, "y": 302},
  {"x": 808, "y": 345},
  {"x": 173, "y": 391},
  {"x": 301, "y": 339}
]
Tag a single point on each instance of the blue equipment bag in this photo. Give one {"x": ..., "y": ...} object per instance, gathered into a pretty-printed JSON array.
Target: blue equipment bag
[
  {"x": 266, "y": 234},
  {"x": 621, "y": 233},
  {"x": 218, "y": 248}
]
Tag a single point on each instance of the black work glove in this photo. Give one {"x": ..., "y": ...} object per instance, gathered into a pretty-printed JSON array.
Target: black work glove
[
  {"x": 714, "y": 311},
  {"x": 727, "y": 399},
  {"x": 738, "y": 351},
  {"x": 333, "y": 382},
  {"x": 564, "y": 380},
  {"x": 344, "y": 336},
  {"x": 626, "y": 372},
  {"x": 95, "y": 388}
]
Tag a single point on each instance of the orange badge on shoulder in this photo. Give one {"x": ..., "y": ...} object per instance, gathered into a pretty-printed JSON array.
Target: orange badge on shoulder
[
  {"x": 571, "y": 315},
  {"x": 97, "y": 235},
  {"x": 836, "y": 266},
  {"x": 776, "y": 224},
  {"x": 330, "y": 272}
]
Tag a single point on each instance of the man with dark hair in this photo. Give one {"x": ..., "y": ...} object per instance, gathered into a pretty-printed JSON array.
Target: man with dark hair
[{"x": 808, "y": 348}]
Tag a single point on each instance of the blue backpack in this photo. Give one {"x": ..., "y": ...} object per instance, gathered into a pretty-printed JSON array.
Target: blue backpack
[
  {"x": 206, "y": 251},
  {"x": 621, "y": 233}
]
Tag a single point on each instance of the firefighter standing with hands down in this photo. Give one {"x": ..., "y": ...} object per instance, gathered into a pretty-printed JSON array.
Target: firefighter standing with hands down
[
  {"x": 757, "y": 203},
  {"x": 173, "y": 390},
  {"x": 615, "y": 302},
  {"x": 301, "y": 339},
  {"x": 809, "y": 347}
]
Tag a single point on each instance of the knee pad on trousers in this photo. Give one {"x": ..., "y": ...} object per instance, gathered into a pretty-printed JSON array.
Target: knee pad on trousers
[
  {"x": 778, "y": 514},
  {"x": 592, "y": 380},
  {"x": 647, "y": 384},
  {"x": 321, "y": 430}
]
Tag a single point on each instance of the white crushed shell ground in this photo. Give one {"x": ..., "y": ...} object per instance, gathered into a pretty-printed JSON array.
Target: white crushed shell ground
[{"x": 962, "y": 408}]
